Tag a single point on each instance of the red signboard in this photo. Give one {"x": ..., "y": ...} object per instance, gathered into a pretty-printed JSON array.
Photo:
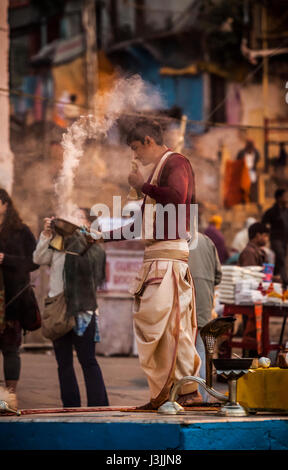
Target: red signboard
[{"x": 121, "y": 270}]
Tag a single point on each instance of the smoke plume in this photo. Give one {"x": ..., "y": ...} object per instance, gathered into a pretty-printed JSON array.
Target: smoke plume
[{"x": 128, "y": 95}]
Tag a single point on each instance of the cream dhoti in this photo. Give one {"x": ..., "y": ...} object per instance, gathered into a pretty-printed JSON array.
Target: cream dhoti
[{"x": 165, "y": 318}]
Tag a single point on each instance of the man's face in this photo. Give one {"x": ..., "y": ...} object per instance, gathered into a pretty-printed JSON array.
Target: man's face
[
  {"x": 283, "y": 200},
  {"x": 143, "y": 152},
  {"x": 262, "y": 239},
  {"x": 249, "y": 147}
]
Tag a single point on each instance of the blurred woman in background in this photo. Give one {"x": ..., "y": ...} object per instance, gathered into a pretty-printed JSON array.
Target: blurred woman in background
[{"x": 17, "y": 244}]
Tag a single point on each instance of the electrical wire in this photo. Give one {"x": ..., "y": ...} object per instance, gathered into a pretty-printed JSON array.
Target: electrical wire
[
  {"x": 159, "y": 116},
  {"x": 205, "y": 123},
  {"x": 154, "y": 10},
  {"x": 248, "y": 77}
]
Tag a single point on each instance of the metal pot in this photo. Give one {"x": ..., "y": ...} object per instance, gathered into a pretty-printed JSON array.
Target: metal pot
[{"x": 63, "y": 227}]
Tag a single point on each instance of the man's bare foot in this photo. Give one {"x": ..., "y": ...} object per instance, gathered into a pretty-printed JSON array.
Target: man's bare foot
[
  {"x": 154, "y": 403},
  {"x": 146, "y": 407},
  {"x": 190, "y": 399}
]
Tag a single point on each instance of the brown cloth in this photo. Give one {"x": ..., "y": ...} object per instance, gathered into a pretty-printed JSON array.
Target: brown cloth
[
  {"x": 252, "y": 255},
  {"x": 236, "y": 183}
]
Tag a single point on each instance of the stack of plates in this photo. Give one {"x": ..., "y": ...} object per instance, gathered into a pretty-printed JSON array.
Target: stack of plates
[
  {"x": 239, "y": 285},
  {"x": 230, "y": 276}
]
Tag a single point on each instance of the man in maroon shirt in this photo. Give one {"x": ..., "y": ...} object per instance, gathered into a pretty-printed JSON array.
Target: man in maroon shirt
[
  {"x": 164, "y": 309},
  {"x": 175, "y": 182},
  {"x": 253, "y": 254}
]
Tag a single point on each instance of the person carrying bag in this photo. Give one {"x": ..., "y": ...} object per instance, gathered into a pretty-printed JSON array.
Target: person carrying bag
[
  {"x": 70, "y": 317},
  {"x": 54, "y": 321}
]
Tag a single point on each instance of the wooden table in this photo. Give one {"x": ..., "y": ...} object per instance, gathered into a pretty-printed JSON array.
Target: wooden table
[{"x": 264, "y": 344}]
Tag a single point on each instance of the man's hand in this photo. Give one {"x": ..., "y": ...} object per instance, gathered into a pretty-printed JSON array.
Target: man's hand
[
  {"x": 136, "y": 179},
  {"x": 1, "y": 257}
]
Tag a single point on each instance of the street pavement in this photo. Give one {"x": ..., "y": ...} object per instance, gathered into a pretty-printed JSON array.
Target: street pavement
[{"x": 39, "y": 388}]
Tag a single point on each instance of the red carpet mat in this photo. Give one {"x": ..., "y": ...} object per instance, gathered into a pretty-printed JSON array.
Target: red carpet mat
[{"x": 90, "y": 409}]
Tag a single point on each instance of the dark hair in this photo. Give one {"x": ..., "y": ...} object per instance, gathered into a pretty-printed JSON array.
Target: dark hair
[
  {"x": 279, "y": 193},
  {"x": 145, "y": 128},
  {"x": 258, "y": 227},
  {"x": 12, "y": 220}
]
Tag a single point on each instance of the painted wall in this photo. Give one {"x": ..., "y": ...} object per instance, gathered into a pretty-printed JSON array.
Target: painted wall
[
  {"x": 72, "y": 434},
  {"x": 185, "y": 91}
]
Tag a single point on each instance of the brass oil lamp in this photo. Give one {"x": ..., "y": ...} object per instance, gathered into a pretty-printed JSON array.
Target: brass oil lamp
[{"x": 231, "y": 369}]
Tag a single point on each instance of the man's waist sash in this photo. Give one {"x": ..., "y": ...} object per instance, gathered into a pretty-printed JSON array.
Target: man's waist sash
[{"x": 176, "y": 255}]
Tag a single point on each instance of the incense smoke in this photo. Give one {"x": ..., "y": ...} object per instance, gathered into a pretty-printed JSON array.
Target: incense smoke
[{"x": 128, "y": 95}]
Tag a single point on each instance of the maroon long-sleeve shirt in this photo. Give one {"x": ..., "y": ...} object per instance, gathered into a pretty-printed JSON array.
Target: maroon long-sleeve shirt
[{"x": 175, "y": 185}]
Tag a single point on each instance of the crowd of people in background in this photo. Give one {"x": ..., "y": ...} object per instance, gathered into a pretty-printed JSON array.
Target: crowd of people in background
[{"x": 259, "y": 241}]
